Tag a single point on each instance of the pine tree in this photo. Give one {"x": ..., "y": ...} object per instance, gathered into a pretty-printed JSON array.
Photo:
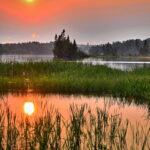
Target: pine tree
[{"x": 64, "y": 48}]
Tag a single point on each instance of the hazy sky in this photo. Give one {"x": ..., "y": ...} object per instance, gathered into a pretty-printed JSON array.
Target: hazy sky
[{"x": 93, "y": 21}]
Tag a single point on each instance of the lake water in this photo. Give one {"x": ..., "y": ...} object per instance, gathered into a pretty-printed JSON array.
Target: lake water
[
  {"x": 119, "y": 63},
  {"x": 112, "y": 62},
  {"x": 135, "y": 113},
  {"x": 61, "y": 103},
  {"x": 31, "y": 105},
  {"x": 25, "y": 58}
]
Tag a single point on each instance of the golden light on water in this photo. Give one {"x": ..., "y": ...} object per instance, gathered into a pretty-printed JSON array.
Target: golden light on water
[{"x": 29, "y": 108}]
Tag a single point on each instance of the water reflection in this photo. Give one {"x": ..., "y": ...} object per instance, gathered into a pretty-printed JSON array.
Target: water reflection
[
  {"x": 25, "y": 58},
  {"x": 119, "y": 63},
  {"x": 19, "y": 104},
  {"x": 55, "y": 112},
  {"x": 29, "y": 108}
]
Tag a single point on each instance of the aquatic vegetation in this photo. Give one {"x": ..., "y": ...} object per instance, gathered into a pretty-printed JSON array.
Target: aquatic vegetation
[
  {"x": 84, "y": 129},
  {"x": 75, "y": 78}
]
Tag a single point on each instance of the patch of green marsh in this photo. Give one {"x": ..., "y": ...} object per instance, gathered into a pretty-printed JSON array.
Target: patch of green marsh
[{"x": 75, "y": 78}]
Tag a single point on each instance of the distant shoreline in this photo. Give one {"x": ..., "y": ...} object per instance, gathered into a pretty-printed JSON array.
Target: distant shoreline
[{"x": 129, "y": 48}]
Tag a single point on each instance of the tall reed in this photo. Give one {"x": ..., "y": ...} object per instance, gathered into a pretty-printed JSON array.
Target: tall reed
[{"x": 84, "y": 129}]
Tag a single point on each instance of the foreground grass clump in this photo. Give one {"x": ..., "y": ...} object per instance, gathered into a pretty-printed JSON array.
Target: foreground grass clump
[
  {"x": 72, "y": 77},
  {"x": 83, "y": 130}
]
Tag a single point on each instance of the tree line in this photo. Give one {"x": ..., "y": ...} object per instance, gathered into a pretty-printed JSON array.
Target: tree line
[
  {"x": 34, "y": 48},
  {"x": 129, "y": 47}
]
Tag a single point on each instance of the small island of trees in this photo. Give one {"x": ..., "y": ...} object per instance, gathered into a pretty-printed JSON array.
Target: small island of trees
[{"x": 65, "y": 49}]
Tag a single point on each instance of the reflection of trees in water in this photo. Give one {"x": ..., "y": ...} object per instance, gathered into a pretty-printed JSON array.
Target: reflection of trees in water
[
  {"x": 122, "y": 102},
  {"x": 108, "y": 102},
  {"x": 148, "y": 112}
]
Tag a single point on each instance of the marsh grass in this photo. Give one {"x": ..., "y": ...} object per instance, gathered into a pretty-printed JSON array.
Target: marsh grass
[
  {"x": 75, "y": 78},
  {"x": 84, "y": 129}
]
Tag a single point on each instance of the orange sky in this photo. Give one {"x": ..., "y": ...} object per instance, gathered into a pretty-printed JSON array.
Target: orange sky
[{"x": 77, "y": 16}]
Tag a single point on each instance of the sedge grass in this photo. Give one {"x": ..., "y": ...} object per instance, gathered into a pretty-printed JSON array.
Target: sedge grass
[
  {"x": 83, "y": 130},
  {"x": 75, "y": 78}
]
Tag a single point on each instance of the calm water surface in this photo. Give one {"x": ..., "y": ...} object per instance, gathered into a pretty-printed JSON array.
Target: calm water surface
[
  {"x": 114, "y": 62},
  {"x": 25, "y": 58},
  {"x": 119, "y": 63},
  {"x": 135, "y": 113},
  {"x": 33, "y": 106}
]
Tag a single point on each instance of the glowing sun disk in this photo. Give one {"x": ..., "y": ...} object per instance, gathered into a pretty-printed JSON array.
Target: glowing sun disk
[
  {"x": 29, "y": 1},
  {"x": 29, "y": 108}
]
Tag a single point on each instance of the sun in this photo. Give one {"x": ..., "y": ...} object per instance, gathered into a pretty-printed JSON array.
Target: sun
[
  {"x": 29, "y": 108},
  {"x": 30, "y": 1},
  {"x": 33, "y": 35}
]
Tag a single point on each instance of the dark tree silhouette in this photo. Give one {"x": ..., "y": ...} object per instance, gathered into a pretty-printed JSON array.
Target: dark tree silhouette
[
  {"x": 34, "y": 48},
  {"x": 1, "y": 49},
  {"x": 125, "y": 48},
  {"x": 65, "y": 49}
]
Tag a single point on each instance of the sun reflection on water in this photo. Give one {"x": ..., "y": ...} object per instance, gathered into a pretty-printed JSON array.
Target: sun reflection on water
[{"x": 29, "y": 108}]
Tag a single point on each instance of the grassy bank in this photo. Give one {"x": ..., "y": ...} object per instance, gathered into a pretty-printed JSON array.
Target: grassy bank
[
  {"x": 84, "y": 129},
  {"x": 75, "y": 78}
]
